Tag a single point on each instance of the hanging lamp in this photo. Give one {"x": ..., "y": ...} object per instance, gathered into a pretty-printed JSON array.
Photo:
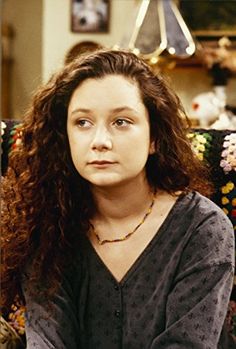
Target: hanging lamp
[{"x": 158, "y": 27}]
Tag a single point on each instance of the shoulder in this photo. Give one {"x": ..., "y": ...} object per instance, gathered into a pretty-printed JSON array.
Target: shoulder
[
  {"x": 210, "y": 232},
  {"x": 200, "y": 208}
]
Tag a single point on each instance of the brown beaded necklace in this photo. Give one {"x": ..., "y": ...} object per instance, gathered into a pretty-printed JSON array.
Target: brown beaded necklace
[{"x": 105, "y": 241}]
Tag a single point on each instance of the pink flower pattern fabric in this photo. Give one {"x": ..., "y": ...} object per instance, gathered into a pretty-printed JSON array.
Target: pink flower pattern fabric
[{"x": 228, "y": 162}]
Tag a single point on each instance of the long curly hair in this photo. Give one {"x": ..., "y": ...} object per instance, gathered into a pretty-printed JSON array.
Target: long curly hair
[{"x": 47, "y": 204}]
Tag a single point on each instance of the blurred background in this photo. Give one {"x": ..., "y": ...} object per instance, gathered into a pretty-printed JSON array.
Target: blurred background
[{"x": 37, "y": 35}]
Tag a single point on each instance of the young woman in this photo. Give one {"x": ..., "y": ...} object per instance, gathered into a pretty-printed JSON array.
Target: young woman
[{"x": 106, "y": 236}]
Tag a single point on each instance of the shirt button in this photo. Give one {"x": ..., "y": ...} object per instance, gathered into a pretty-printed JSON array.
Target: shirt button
[
  {"x": 116, "y": 287},
  {"x": 117, "y": 313}
]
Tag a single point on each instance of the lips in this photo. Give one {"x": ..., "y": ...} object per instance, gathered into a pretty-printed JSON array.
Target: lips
[{"x": 101, "y": 162}]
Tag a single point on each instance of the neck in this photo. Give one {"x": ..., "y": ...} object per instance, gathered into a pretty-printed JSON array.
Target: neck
[{"x": 121, "y": 202}]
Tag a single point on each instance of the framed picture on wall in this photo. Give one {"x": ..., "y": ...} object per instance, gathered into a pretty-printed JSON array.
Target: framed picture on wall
[
  {"x": 210, "y": 19},
  {"x": 90, "y": 16}
]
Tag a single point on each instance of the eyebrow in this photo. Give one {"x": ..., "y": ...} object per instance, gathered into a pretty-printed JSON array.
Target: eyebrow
[
  {"x": 82, "y": 110},
  {"x": 116, "y": 110}
]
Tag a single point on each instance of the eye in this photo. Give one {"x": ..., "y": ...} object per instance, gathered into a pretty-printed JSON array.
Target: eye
[
  {"x": 83, "y": 123},
  {"x": 122, "y": 122}
]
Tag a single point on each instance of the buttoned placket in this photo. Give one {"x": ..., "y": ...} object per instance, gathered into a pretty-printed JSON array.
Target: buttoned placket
[{"x": 118, "y": 311}]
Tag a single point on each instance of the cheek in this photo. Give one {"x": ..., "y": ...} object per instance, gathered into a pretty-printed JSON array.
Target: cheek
[
  {"x": 142, "y": 143},
  {"x": 76, "y": 151},
  {"x": 77, "y": 143},
  {"x": 136, "y": 151}
]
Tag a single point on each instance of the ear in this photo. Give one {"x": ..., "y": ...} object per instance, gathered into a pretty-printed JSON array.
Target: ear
[{"x": 152, "y": 148}]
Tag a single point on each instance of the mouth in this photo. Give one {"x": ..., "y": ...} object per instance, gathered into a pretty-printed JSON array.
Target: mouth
[{"x": 101, "y": 163}]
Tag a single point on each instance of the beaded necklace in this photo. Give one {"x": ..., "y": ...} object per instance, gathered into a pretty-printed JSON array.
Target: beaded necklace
[{"x": 105, "y": 241}]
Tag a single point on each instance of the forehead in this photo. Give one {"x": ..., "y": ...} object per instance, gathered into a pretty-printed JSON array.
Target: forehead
[{"x": 111, "y": 88}]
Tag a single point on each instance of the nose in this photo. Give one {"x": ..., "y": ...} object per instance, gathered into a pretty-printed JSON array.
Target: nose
[{"x": 102, "y": 140}]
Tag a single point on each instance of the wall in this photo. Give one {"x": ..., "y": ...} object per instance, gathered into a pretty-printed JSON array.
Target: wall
[
  {"x": 25, "y": 17},
  {"x": 42, "y": 38},
  {"x": 58, "y": 38},
  {"x": 188, "y": 82}
]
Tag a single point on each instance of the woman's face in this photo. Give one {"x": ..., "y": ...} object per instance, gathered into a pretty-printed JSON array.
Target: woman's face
[{"x": 108, "y": 130}]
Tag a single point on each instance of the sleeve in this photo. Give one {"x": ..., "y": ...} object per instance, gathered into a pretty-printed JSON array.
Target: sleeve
[
  {"x": 197, "y": 304},
  {"x": 51, "y": 324}
]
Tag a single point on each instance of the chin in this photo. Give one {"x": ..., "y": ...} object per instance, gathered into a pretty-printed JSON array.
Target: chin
[
  {"x": 105, "y": 181},
  {"x": 112, "y": 182},
  {"x": 105, "y": 184}
]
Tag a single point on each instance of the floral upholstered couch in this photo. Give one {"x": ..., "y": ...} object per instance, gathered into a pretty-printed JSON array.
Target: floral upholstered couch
[{"x": 215, "y": 147}]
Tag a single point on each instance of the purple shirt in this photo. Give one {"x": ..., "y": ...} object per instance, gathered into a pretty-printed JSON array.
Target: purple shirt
[{"x": 174, "y": 296}]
